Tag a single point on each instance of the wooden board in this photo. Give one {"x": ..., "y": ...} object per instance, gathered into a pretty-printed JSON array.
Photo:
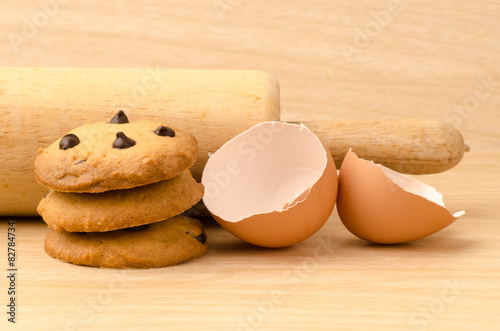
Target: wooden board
[{"x": 332, "y": 281}]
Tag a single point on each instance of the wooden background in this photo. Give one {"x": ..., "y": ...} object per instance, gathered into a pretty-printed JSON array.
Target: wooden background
[{"x": 334, "y": 60}]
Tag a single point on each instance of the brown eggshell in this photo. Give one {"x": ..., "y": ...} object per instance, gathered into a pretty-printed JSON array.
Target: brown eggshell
[
  {"x": 294, "y": 164},
  {"x": 375, "y": 208}
]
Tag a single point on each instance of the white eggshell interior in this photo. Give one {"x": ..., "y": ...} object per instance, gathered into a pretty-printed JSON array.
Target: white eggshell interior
[
  {"x": 416, "y": 187},
  {"x": 269, "y": 167}
]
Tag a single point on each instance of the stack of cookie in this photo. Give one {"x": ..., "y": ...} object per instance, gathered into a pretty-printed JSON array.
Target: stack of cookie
[{"x": 117, "y": 190}]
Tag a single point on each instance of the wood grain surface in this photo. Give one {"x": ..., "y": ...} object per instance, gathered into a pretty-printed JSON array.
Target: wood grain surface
[
  {"x": 334, "y": 60},
  {"x": 331, "y": 281}
]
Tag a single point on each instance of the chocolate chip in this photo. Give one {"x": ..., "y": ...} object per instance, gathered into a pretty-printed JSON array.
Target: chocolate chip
[
  {"x": 122, "y": 141},
  {"x": 46, "y": 194},
  {"x": 165, "y": 131},
  {"x": 80, "y": 162},
  {"x": 137, "y": 228},
  {"x": 68, "y": 141},
  {"x": 202, "y": 238},
  {"x": 119, "y": 118}
]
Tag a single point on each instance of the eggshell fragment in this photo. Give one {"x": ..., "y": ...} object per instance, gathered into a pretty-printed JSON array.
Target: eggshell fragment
[
  {"x": 382, "y": 206},
  {"x": 274, "y": 185}
]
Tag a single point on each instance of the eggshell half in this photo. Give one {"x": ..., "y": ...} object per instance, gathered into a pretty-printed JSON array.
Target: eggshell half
[
  {"x": 382, "y": 206},
  {"x": 274, "y": 185}
]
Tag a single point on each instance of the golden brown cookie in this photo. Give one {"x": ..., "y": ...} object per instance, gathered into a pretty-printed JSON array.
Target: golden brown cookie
[
  {"x": 161, "y": 244},
  {"x": 98, "y": 157},
  {"x": 112, "y": 210}
]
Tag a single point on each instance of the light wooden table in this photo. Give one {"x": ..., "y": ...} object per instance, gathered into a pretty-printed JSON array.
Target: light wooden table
[
  {"x": 331, "y": 281},
  {"x": 334, "y": 59}
]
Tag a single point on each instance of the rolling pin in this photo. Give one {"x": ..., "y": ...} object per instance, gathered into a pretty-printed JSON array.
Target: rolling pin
[{"x": 39, "y": 105}]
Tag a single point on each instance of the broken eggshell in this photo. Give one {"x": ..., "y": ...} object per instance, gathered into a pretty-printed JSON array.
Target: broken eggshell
[
  {"x": 273, "y": 185},
  {"x": 382, "y": 206}
]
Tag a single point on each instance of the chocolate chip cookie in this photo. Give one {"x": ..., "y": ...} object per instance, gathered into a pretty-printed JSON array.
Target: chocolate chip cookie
[
  {"x": 118, "y": 209},
  {"x": 156, "y": 245},
  {"x": 99, "y": 157}
]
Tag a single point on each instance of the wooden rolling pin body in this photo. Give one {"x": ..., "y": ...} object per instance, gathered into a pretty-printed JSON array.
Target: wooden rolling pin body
[{"x": 39, "y": 105}]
